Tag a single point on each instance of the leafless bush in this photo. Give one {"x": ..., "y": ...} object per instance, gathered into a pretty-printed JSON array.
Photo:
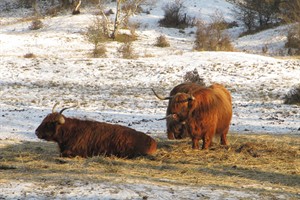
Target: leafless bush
[
  {"x": 293, "y": 40},
  {"x": 293, "y": 96},
  {"x": 100, "y": 51},
  {"x": 194, "y": 77},
  {"x": 127, "y": 50},
  {"x": 210, "y": 36},
  {"x": 36, "y": 24},
  {"x": 29, "y": 55},
  {"x": 97, "y": 33},
  {"x": 162, "y": 41},
  {"x": 174, "y": 16},
  {"x": 53, "y": 11},
  {"x": 132, "y": 28}
]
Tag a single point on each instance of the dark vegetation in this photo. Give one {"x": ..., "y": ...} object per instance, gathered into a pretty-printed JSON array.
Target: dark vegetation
[
  {"x": 175, "y": 16},
  {"x": 255, "y": 15},
  {"x": 258, "y": 15},
  {"x": 193, "y": 77},
  {"x": 293, "y": 96}
]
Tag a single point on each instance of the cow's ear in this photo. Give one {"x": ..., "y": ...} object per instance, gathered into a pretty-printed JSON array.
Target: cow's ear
[
  {"x": 191, "y": 98},
  {"x": 175, "y": 117},
  {"x": 61, "y": 119}
]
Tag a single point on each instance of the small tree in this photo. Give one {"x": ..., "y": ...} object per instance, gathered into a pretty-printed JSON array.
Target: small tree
[
  {"x": 124, "y": 9},
  {"x": 97, "y": 33}
]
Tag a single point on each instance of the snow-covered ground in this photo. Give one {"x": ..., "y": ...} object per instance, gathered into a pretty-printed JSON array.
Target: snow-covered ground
[{"x": 117, "y": 90}]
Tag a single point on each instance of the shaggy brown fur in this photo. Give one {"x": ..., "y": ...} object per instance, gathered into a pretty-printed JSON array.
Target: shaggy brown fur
[
  {"x": 206, "y": 113},
  {"x": 85, "y": 138},
  {"x": 175, "y": 127}
]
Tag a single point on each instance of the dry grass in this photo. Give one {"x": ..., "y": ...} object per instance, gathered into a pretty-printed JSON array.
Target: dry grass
[{"x": 251, "y": 162}]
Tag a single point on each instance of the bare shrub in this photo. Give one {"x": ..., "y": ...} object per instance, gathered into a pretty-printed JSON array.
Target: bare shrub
[
  {"x": 193, "y": 77},
  {"x": 127, "y": 50},
  {"x": 53, "y": 11},
  {"x": 99, "y": 51},
  {"x": 210, "y": 36},
  {"x": 174, "y": 16},
  {"x": 36, "y": 24},
  {"x": 265, "y": 49},
  {"x": 293, "y": 96},
  {"x": 29, "y": 55},
  {"x": 293, "y": 40},
  {"x": 162, "y": 41},
  {"x": 124, "y": 38},
  {"x": 97, "y": 33},
  {"x": 132, "y": 28}
]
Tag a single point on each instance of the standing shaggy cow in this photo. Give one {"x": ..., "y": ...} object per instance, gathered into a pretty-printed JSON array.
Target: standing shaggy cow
[
  {"x": 206, "y": 112},
  {"x": 86, "y": 138},
  {"x": 175, "y": 128}
]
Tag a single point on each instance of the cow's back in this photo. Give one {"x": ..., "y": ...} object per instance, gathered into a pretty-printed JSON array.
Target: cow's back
[
  {"x": 224, "y": 106},
  {"x": 121, "y": 141}
]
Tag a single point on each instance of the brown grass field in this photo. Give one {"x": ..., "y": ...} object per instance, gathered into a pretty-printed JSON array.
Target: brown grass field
[{"x": 268, "y": 165}]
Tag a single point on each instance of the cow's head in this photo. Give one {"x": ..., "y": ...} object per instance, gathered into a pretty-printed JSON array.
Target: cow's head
[
  {"x": 49, "y": 125},
  {"x": 179, "y": 105}
]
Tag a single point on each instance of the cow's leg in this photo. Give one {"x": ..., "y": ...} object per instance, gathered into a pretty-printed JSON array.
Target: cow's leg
[
  {"x": 206, "y": 141},
  {"x": 170, "y": 135},
  {"x": 208, "y": 137},
  {"x": 195, "y": 143},
  {"x": 67, "y": 153},
  {"x": 194, "y": 133},
  {"x": 223, "y": 137}
]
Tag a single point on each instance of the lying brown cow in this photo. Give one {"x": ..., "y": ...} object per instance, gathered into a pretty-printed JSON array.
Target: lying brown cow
[
  {"x": 205, "y": 111},
  {"x": 85, "y": 138},
  {"x": 175, "y": 128}
]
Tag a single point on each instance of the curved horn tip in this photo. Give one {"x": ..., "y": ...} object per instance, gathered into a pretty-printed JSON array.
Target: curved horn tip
[
  {"x": 76, "y": 105},
  {"x": 159, "y": 96},
  {"x": 53, "y": 108},
  {"x": 166, "y": 117}
]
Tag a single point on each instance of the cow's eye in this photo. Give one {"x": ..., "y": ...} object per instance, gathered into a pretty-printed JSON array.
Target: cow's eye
[{"x": 50, "y": 125}]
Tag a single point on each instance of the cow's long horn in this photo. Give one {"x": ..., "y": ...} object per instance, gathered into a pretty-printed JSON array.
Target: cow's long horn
[
  {"x": 53, "y": 109},
  {"x": 166, "y": 117},
  {"x": 62, "y": 110},
  {"x": 161, "y": 97}
]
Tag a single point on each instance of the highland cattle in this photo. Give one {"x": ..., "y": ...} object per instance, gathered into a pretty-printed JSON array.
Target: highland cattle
[{"x": 86, "y": 138}]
